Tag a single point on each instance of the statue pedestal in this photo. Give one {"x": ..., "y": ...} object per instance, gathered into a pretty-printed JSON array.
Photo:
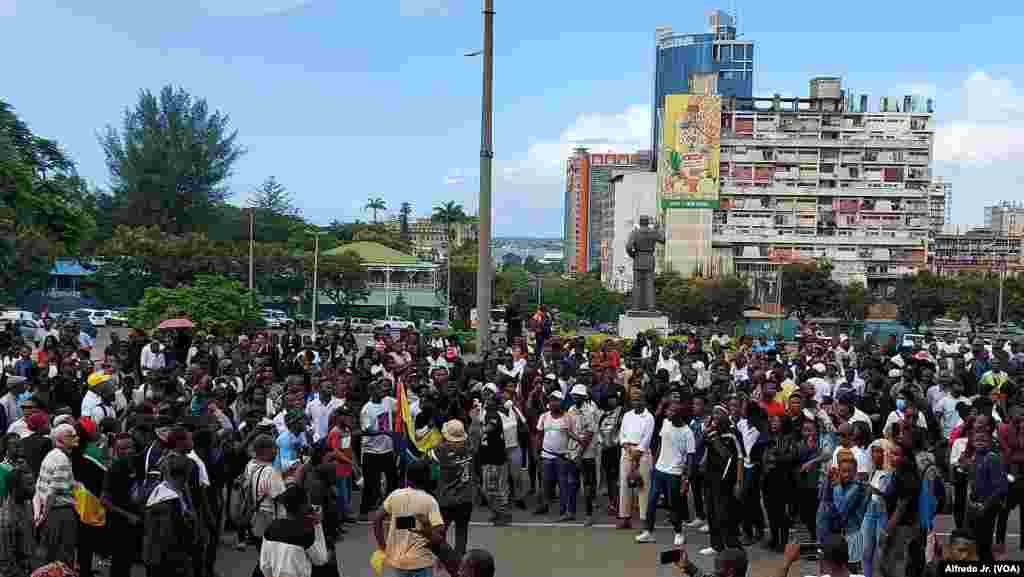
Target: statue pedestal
[{"x": 635, "y": 322}]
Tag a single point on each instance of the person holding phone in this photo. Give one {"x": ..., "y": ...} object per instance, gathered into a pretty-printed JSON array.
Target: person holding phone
[
  {"x": 731, "y": 562},
  {"x": 414, "y": 526},
  {"x": 294, "y": 544}
]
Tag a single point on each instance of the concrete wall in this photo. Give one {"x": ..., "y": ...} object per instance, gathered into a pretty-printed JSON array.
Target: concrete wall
[{"x": 635, "y": 195}]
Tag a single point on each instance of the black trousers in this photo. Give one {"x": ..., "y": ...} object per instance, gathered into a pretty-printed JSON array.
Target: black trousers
[
  {"x": 777, "y": 491},
  {"x": 753, "y": 517},
  {"x": 374, "y": 467},
  {"x": 588, "y": 476},
  {"x": 807, "y": 505},
  {"x": 123, "y": 555},
  {"x": 459, "y": 515},
  {"x": 697, "y": 488},
  {"x": 90, "y": 540},
  {"x": 721, "y": 509},
  {"x": 610, "y": 469},
  {"x": 1015, "y": 498},
  {"x": 983, "y": 529},
  {"x": 960, "y": 504}
]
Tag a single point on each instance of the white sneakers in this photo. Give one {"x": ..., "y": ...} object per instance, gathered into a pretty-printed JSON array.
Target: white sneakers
[
  {"x": 680, "y": 540},
  {"x": 646, "y": 537},
  {"x": 707, "y": 551},
  {"x": 695, "y": 523},
  {"x": 704, "y": 528}
]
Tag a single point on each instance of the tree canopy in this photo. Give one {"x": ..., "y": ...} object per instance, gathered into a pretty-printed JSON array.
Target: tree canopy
[
  {"x": 170, "y": 161},
  {"x": 212, "y": 302}
]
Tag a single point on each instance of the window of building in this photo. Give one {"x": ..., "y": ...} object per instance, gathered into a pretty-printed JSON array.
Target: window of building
[
  {"x": 749, "y": 52},
  {"x": 726, "y": 52}
]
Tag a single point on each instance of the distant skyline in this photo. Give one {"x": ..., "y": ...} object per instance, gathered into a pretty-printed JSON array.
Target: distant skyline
[{"x": 342, "y": 101}]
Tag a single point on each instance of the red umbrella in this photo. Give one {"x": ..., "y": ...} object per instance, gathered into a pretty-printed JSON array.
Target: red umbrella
[{"x": 176, "y": 324}]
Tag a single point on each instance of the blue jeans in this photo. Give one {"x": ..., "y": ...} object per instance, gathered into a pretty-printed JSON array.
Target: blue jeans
[
  {"x": 671, "y": 487},
  {"x": 344, "y": 503},
  {"x": 875, "y": 519},
  {"x": 564, "y": 473},
  {"x": 424, "y": 572}
]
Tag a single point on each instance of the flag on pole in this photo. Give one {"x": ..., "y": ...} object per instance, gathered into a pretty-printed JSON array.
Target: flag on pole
[{"x": 425, "y": 439}]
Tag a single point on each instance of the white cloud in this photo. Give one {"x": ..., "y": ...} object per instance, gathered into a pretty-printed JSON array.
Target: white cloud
[
  {"x": 8, "y": 8},
  {"x": 423, "y": 7},
  {"x": 989, "y": 127},
  {"x": 529, "y": 191},
  {"x": 249, "y": 7}
]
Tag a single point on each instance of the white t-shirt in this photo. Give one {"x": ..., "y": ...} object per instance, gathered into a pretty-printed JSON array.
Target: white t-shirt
[
  {"x": 556, "y": 435},
  {"x": 822, "y": 388},
  {"x": 510, "y": 426},
  {"x": 378, "y": 417},
  {"x": 671, "y": 365},
  {"x": 863, "y": 457},
  {"x": 676, "y": 444}
]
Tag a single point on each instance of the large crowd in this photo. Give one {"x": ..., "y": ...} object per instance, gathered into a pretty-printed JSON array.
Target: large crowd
[{"x": 178, "y": 439}]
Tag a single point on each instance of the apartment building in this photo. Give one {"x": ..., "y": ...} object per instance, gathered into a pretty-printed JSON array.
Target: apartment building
[
  {"x": 1005, "y": 218},
  {"x": 978, "y": 249},
  {"x": 825, "y": 176},
  {"x": 430, "y": 239},
  {"x": 590, "y": 204}
]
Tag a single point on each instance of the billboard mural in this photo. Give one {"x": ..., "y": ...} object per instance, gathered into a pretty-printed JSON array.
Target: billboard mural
[{"x": 688, "y": 168}]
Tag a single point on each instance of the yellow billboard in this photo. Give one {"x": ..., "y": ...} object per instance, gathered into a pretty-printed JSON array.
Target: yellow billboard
[{"x": 688, "y": 173}]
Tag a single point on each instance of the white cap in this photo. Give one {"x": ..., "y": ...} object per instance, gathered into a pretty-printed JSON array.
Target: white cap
[
  {"x": 579, "y": 391},
  {"x": 819, "y": 367},
  {"x": 550, "y": 377},
  {"x": 557, "y": 395},
  {"x": 898, "y": 361}
]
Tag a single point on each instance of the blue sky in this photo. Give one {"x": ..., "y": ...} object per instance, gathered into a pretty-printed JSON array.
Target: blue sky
[{"x": 341, "y": 100}]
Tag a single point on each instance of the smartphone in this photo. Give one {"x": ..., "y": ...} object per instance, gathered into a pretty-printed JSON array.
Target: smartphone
[
  {"x": 408, "y": 523},
  {"x": 671, "y": 556},
  {"x": 810, "y": 549}
]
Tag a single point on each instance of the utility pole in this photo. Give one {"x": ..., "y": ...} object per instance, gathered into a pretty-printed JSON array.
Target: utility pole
[
  {"x": 252, "y": 249},
  {"x": 483, "y": 275},
  {"x": 316, "y": 270}
]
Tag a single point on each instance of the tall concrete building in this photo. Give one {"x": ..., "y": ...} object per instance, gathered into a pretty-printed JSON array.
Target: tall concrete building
[
  {"x": 1005, "y": 218},
  {"x": 826, "y": 176},
  {"x": 635, "y": 194},
  {"x": 714, "y": 62},
  {"x": 977, "y": 249},
  {"x": 429, "y": 239},
  {"x": 590, "y": 205}
]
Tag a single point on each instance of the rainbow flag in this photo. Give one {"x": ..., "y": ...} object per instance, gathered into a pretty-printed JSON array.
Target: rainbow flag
[{"x": 425, "y": 439}]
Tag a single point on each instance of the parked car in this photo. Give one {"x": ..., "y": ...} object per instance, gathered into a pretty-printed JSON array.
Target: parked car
[
  {"x": 393, "y": 322},
  {"x": 17, "y": 314},
  {"x": 32, "y": 331},
  {"x": 276, "y": 319},
  {"x": 437, "y": 325},
  {"x": 117, "y": 318},
  {"x": 99, "y": 317}
]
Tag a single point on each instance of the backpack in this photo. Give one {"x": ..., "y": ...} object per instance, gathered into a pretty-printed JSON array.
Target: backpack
[
  {"x": 142, "y": 489},
  {"x": 244, "y": 503}
]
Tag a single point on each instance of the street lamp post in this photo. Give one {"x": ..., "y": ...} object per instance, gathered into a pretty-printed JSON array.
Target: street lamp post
[
  {"x": 316, "y": 269},
  {"x": 483, "y": 275}
]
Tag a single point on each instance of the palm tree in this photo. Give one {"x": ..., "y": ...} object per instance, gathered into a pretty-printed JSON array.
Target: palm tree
[
  {"x": 403, "y": 219},
  {"x": 450, "y": 214},
  {"x": 375, "y": 203}
]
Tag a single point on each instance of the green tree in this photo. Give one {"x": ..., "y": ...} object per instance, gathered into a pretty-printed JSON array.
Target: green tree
[
  {"x": 381, "y": 234},
  {"x": 508, "y": 282},
  {"x": 511, "y": 259},
  {"x": 45, "y": 208},
  {"x": 212, "y": 302},
  {"x": 375, "y": 203},
  {"x": 170, "y": 161},
  {"x": 680, "y": 298},
  {"x": 343, "y": 279},
  {"x": 808, "y": 289},
  {"x": 921, "y": 298},
  {"x": 977, "y": 297},
  {"x": 725, "y": 298},
  {"x": 853, "y": 301},
  {"x": 449, "y": 214},
  {"x": 273, "y": 198}
]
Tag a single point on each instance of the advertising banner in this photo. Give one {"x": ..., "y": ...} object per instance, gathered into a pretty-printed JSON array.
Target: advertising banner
[{"x": 688, "y": 169}]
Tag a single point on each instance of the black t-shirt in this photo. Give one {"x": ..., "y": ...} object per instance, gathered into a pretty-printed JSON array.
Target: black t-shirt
[
  {"x": 492, "y": 446},
  {"x": 117, "y": 483},
  {"x": 35, "y": 448}
]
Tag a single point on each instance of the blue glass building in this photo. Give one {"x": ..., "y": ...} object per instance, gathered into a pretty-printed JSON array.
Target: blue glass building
[{"x": 715, "y": 61}]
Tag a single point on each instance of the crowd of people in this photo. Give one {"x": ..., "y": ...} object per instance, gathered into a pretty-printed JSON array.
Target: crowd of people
[{"x": 179, "y": 438}]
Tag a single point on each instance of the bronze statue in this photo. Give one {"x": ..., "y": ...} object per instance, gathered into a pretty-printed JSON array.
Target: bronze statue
[{"x": 641, "y": 246}]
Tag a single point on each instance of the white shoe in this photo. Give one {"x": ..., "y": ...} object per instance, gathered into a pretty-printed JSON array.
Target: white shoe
[
  {"x": 708, "y": 551},
  {"x": 680, "y": 540},
  {"x": 646, "y": 537},
  {"x": 695, "y": 523},
  {"x": 704, "y": 528}
]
